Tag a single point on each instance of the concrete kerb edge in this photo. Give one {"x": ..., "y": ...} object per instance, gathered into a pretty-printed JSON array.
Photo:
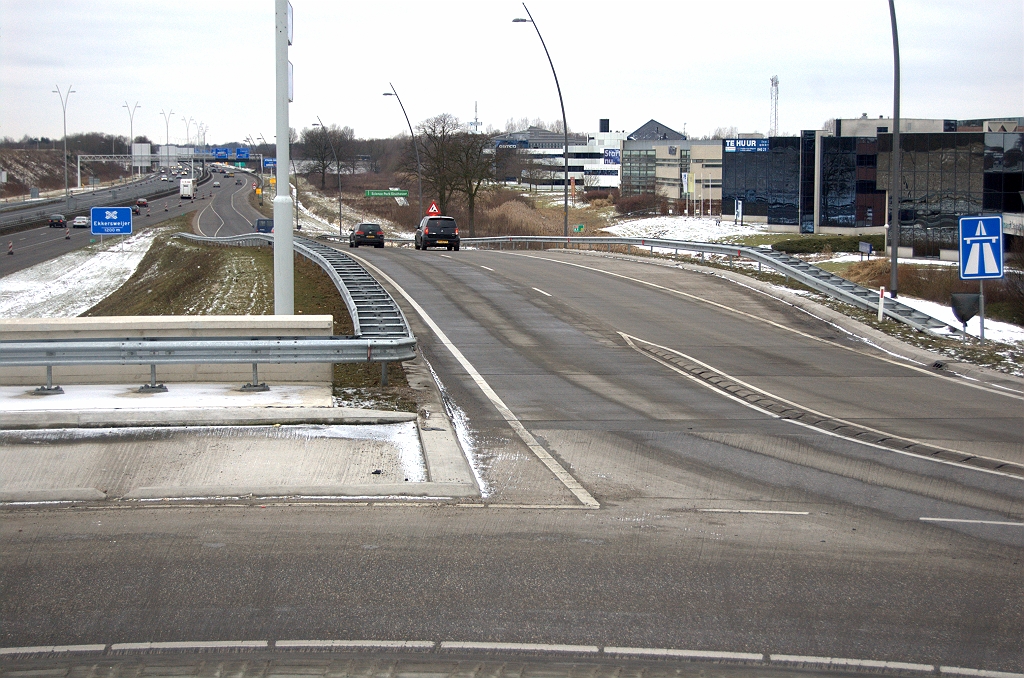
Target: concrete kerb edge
[{"x": 851, "y": 325}]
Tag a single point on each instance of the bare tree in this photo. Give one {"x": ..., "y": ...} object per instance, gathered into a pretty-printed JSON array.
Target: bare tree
[
  {"x": 472, "y": 168},
  {"x": 316, "y": 149},
  {"x": 725, "y": 133},
  {"x": 438, "y": 156}
]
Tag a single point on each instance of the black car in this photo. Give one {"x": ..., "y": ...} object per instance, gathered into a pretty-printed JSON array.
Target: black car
[
  {"x": 136, "y": 209},
  {"x": 58, "y": 221},
  {"x": 264, "y": 226},
  {"x": 366, "y": 234},
  {"x": 437, "y": 232}
]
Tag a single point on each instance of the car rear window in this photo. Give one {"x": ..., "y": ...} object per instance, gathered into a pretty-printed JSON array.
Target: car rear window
[{"x": 441, "y": 225}]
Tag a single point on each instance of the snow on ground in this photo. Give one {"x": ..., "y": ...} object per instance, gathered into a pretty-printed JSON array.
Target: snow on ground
[
  {"x": 316, "y": 225},
  {"x": 695, "y": 229},
  {"x": 996, "y": 331},
  {"x": 73, "y": 283},
  {"x": 83, "y": 397}
]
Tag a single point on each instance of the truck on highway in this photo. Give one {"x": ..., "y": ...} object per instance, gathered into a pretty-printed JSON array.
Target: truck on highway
[{"x": 188, "y": 189}]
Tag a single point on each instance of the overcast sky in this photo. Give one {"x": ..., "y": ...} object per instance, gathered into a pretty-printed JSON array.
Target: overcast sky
[{"x": 700, "y": 64}]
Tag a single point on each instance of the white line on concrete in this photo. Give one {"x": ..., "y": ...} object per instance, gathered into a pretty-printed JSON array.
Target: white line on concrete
[
  {"x": 488, "y": 268},
  {"x": 392, "y": 644},
  {"x": 520, "y": 647},
  {"x": 691, "y": 654},
  {"x": 957, "y": 671},
  {"x": 542, "y": 291},
  {"x": 931, "y": 373},
  {"x": 49, "y": 649},
  {"x": 780, "y": 513},
  {"x": 191, "y": 645},
  {"x": 839, "y": 661},
  {"x": 447, "y": 256},
  {"x": 973, "y": 522},
  {"x": 563, "y": 476}
]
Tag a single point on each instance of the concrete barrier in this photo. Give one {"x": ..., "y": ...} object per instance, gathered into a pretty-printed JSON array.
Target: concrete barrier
[{"x": 134, "y": 327}]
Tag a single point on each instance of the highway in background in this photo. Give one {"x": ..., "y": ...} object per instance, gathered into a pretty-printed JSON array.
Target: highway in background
[
  {"x": 720, "y": 528},
  {"x": 229, "y": 213}
]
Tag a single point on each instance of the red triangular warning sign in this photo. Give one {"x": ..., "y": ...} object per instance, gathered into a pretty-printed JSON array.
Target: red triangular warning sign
[{"x": 433, "y": 210}]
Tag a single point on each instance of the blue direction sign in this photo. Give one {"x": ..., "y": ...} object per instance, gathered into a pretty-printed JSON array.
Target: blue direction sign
[
  {"x": 220, "y": 153},
  {"x": 981, "y": 248},
  {"x": 241, "y": 154},
  {"x": 270, "y": 162},
  {"x": 111, "y": 220}
]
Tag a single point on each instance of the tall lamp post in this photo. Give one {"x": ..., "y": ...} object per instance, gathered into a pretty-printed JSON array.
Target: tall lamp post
[
  {"x": 131, "y": 131},
  {"x": 188, "y": 130},
  {"x": 415, "y": 146},
  {"x": 894, "y": 180},
  {"x": 64, "y": 106},
  {"x": 337, "y": 166},
  {"x": 565, "y": 126}
]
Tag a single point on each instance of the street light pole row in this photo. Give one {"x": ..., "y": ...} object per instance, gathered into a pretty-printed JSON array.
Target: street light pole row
[
  {"x": 415, "y": 146},
  {"x": 64, "y": 106}
]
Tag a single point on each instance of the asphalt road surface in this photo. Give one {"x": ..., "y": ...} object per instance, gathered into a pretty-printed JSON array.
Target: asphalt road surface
[
  {"x": 720, "y": 527},
  {"x": 229, "y": 213}
]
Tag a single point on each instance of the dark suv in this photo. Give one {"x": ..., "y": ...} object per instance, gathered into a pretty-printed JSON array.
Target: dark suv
[
  {"x": 264, "y": 226},
  {"x": 366, "y": 234},
  {"x": 437, "y": 232}
]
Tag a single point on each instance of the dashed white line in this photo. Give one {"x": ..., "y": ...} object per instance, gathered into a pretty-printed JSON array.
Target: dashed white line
[
  {"x": 48, "y": 649},
  {"x": 973, "y": 522},
  {"x": 391, "y": 644},
  {"x": 447, "y": 256},
  {"x": 488, "y": 268},
  {"x": 191, "y": 645},
  {"x": 839, "y": 661},
  {"x": 957, "y": 671},
  {"x": 690, "y": 654},
  {"x": 521, "y": 647},
  {"x": 542, "y": 291},
  {"x": 764, "y": 511}
]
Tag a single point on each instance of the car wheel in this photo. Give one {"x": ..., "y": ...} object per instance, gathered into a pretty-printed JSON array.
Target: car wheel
[
  {"x": 351, "y": 245},
  {"x": 449, "y": 248},
  {"x": 379, "y": 246},
  {"x": 356, "y": 245},
  {"x": 456, "y": 248}
]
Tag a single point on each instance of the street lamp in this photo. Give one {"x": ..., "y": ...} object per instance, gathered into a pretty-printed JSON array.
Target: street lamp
[
  {"x": 415, "y": 146},
  {"x": 64, "y": 106},
  {"x": 337, "y": 166},
  {"x": 131, "y": 131},
  {"x": 188, "y": 128},
  {"x": 894, "y": 181},
  {"x": 565, "y": 126}
]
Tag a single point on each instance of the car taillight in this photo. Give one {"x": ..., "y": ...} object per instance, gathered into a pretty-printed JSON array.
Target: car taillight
[
  {"x": 359, "y": 232},
  {"x": 426, "y": 230},
  {"x": 456, "y": 231}
]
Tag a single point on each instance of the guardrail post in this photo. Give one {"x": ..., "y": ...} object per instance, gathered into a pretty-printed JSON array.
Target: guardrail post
[
  {"x": 152, "y": 386},
  {"x": 49, "y": 389},
  {"x": 384, "y": 374},
  {"x": 255, "y": 385}
]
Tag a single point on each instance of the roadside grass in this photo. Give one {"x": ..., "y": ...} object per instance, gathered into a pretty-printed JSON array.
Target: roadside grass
[{"x": 177, "y": 277}]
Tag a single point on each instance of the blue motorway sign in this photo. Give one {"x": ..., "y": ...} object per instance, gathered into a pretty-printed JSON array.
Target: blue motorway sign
[
  {"x": 220, "y": 153},
  {"x": 745, "y": 145},
  {"x": 270, "y": 162},
  {"x": 111, "y": 220},
  {"x": 241, "y": 154},
  {"x": 981, "y": 248}
]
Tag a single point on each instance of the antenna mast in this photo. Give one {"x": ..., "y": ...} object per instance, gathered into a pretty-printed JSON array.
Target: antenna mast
[{"x": 773, "y": 126}]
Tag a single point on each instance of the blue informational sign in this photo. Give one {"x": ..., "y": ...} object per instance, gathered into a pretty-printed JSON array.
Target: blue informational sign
[
  {"x": 612, "y": 156},
  {"x": 111, "y": 220},
  {"x": 241, "y": 154},
  {"x": 270, "y": 162},
  {"x": 220, "y": 153},
  {"x": 745, "y": 145},
  {"x": 981, "y": 248}
]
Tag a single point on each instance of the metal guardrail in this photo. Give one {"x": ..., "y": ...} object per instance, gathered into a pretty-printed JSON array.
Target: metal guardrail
[
  {"x": 374, "y": 312},
  {"x": 807, "y": 274}
]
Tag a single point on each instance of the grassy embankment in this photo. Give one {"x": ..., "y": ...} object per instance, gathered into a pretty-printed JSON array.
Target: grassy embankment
[{"x": 177, "y": 277}]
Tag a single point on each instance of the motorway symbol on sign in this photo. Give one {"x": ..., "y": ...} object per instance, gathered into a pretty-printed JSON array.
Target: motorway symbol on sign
[
  {"x": 390, "y": 193},
  {"x": 111, "y": 220},
  {"x": 433, "y": 210},
  {"x": 981, "y": 248}
]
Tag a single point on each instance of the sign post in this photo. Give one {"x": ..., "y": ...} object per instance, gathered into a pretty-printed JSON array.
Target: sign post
[{"x": 981, "y": 255}]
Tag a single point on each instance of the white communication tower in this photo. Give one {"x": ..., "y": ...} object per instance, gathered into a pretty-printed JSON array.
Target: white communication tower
[
  {"x": 773, "y": 126},
  {"x": 476, "y": 119}
]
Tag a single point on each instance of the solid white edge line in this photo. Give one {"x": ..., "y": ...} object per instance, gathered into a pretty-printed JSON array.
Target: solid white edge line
[
  {"x": 972, "y": 522},
  {"x": 524, "y": 647},
  {"x": 542, "y": 291},
  {"x": 628, "y": 339},
  {"x": 839, "y": 661},
  {"x": 692, "y": 654},
  {"x": 398, "y": 644},
  {"x": 955, "y": 670},
  {"x": 510, "y": 418},
  {"x": 956, "y": 380},
  {"x": 48, "y": 649},
  {"x": 189, "y": 645},
  {"x": 487, "y": 268},
  {"x": 767, "y": 512},
  {"x": 447, "y": 256}
]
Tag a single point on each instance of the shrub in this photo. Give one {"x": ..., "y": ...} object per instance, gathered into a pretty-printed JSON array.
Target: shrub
[
  {"x": 834, "y": 243},
  {"x": 637, "y": 203}
]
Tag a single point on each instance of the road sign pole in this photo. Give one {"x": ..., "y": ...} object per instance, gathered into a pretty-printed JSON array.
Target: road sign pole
[
  {"x": 284, "y": 268},
  {"x": 981, "y": 309}
]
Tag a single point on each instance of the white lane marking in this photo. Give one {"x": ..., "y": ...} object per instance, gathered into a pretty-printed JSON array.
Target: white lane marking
[
  {"x": 563, "y": 476},
  {"x": 245, "y": 187},
  {"x": 628, "y": 338},
  {"x": 488, "y": 268},
  {"x": 839, "y": 661},
  {"x": 766, "y": 512},
  {"x": 396, "y": 644},
  {"x": 190, "y": 645},
  {"x": 49, "y": 649},
  {"x": 542, "y": 291},
  {"x": 957, "y": 380},
  {"x": 972, "y": 522},
  {"x": 692, "y": 654},
  {"x": 957, "y": 671},
  {"x": 447, "y": 256},
  {"x": 524, "y": 647}
]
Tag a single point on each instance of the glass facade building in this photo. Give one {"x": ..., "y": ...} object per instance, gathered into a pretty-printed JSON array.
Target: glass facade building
[
  {"x": 850, "y": 195},
  {"x": 768, "y": 182},
  {"x": 638, "y": 171}
]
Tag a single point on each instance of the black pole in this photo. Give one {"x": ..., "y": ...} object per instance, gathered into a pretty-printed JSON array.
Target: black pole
[
  {"x": 895, "y": 183},
  {"x": 415, "y": 147}
]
